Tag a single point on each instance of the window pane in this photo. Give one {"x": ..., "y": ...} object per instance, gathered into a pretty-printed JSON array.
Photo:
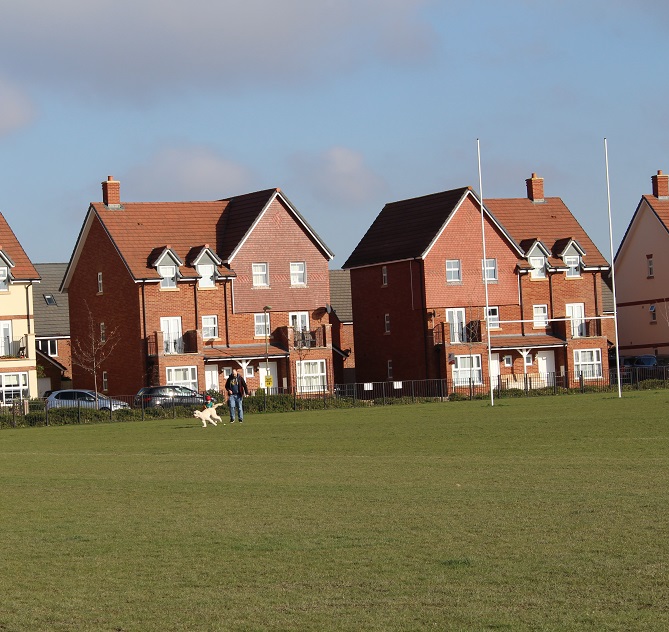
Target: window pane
[
  {"x": 453, "y": 271},
  {"x": 207, "y": 274},
  {"x": 298, "y": 273},
  {"x": 260, "y": 275}
]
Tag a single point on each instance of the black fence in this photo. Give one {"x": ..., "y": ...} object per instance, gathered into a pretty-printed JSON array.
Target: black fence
[{"x": 39, "y": 412}]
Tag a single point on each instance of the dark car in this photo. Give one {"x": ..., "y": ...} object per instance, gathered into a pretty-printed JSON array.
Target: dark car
[
  {"x": 151, "y": 396},
  {"x": 83, "y": 398}
]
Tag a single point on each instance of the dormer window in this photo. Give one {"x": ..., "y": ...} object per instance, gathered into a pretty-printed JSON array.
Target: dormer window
[
  {"x": 207, "y": 273},
  {"x": 573, "y": 263},
  {"x": 168, "y": 276},
  {"x": 4, "y": 279},
  {"x": 538, "y": 270}
]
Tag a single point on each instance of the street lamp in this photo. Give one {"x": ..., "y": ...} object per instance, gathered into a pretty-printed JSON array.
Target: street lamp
[{"x": 266, "y": 311}]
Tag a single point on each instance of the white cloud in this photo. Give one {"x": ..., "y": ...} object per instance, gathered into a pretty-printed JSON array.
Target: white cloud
[
  {"x": 339, "y": 175},
  {"x": 16, "y": 108},
  {"x": 140, "y": 48},
  {"x": 185, "y": 173}
]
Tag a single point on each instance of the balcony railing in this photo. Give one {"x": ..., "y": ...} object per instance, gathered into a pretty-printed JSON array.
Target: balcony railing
[
  {"x": 12, "y": 348},
  {"x": 577, "y": 328},
  {"x": 306, "y": 339}
]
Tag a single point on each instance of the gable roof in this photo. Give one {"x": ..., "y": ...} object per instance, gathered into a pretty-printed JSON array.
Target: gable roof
[
  {"x": 23, "y": 269},
  {"x": 51, "y": 320},
  {"x": 659, "y": 207},
  {"x": 340, "y": 295},
  {"x": 549, "y": 221},
  {"x": 408, "y": 228},
  {"x": 142, "y": 230}
]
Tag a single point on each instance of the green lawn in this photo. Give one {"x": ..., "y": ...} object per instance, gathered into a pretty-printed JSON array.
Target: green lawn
[{"x": 535, "y": 514}]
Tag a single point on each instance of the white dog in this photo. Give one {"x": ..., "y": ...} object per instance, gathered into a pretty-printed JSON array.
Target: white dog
[{"x": 208, "y": 415}]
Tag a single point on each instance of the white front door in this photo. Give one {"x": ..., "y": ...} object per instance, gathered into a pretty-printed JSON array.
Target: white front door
[
  {"x": 172, "y": 338},
  {"x": 6, "y": 337},
  {"x": 576, "y": 311},
  {"x": 299, "y": 320},
  {"x": 211, "y": 377},
  {"x": 494, "y": 369},
  {"x": 269, "y": 369},
  {"x": 546, "y": 366},
  {"x": 456, "y": 321}
]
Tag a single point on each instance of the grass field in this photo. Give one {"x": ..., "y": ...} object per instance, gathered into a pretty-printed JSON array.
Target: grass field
[{"x": 536, "y": 514}]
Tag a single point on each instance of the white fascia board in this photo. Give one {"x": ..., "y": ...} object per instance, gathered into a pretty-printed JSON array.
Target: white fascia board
[{"x": 380, "y": 263}]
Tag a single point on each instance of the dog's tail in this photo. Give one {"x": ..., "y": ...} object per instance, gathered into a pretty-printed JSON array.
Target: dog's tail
[{"x": 217, "y": 405}]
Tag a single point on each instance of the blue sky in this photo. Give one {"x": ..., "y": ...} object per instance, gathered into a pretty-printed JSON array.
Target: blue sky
[{"x": 344, "y": 104}]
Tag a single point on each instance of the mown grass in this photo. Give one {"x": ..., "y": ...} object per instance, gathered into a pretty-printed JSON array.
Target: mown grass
[{"x": 536, "y": 514}]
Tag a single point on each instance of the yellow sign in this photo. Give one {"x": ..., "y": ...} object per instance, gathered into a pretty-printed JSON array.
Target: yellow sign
[{"x": 268, "y": 381}]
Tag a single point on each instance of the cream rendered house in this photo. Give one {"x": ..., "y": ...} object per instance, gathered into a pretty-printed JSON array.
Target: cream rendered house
[
  {"x": 642, "y": 275},
  {"x": 18, "y": 369}
]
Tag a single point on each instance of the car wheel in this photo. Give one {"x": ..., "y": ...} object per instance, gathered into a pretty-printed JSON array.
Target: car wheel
[{"x": 105, "y": 408}]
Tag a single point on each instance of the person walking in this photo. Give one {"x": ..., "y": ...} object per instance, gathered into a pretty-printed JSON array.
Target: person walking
[{"x": 235, "y": 387}]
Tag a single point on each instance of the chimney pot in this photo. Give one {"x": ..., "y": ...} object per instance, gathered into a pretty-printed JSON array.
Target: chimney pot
[
  {"x": 535, "y": 188},
  {"x": 660, "y": 185},
  {"x": 111, "y": 193}
]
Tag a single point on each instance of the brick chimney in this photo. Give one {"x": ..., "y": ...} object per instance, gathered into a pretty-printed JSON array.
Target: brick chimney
[
  {"x": 111, "y": 193},
  {"x": 660, "y": 185},
  {"x": 535, "y": 188}
]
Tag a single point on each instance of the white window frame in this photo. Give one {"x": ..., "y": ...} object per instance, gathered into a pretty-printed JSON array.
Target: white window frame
[
  {"x": 12, "y": 382},
  {"x": 590, "y": 368},
  {"x": 493, "y": 317},
  {"x": 311, "y": 376},
  {"x": 538, "y": 270},
  {"x": 262, "y": 324},
  {"x": 384, "y": 276},
  {"x": 260, "y": 272},
  {"x": 489, "y": 268},
  {"x": 181, "y": 376},
  {"x": 99, "y": 282},
  {"x": 4, "y": 279},
  {"x": 50, "y": 299},
  {"x": 209, "y": 326},
  {"x": 386, "y": 323},
  {"x": 299, "y": 321},
  {"x": 455, "y": 318},
  {"x": 453, "y": 271},
  {"x": 653, "y": 313},
  {"x": 207, "y": 272},
  {"x": 168, "y": 276},
  {"x": 48, "y": 346},
  {"x": 173, "y": 341},
  {"x": 651, "y": 267},
  {"x": 508, "y": 361},
  {"x": 6, "y": 338},
  {"x": 467, "y": 367},
  {"x": 298, "y": 273},
  {"x": 249, "y": 371},
  {"x": 573, "y": 263},
  {"x": 527, "y": 359},
  {"x": 227, "y": 372},
  {"x": 576, "y": 315},
  {"x": 540, "y": 316}
]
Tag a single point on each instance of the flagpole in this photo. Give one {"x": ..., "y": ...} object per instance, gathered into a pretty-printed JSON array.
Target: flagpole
[
  {"x": 613, "y": 270},
  {"x": 485, "y": 276}
]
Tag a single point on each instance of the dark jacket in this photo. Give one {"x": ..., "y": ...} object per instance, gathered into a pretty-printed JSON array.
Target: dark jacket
[{"x": 241, "y": 384}]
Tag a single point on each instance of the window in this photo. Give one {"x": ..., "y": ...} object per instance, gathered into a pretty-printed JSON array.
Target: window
[
  {"x": 653, "y": 313},
  {"x": 453, "y": 274},
  {"x": 4, "y": 279},
  {"x": 105, "y": 381},
  {"x": 261, "y": 324},
  {"x": 168, "y": 276},
  {"x": 528, "y": 359},
  {"x": 573, "y": 263},
  {"x": 456, "y": 323},
  {"x": 227, "y": 372},
  {"x": 13, "y": 386},
  {"x": 49, "y": 347},
  {"x": 248, "y": 371},
  {"x": 298, "y": 273},
  {"x": 173, "y": 341},
  {"x": 508, "y": 360},
  {"x": 588, "y": 363},
  {"x": 649, "y": 263},
  {"x": 384, "y": 276},
  {"x": 182, "y": 376},
  {"x": 260, "y": 275},
  {"x": 540, "y": 315},
  {"x": 386, "y": 325},
  {"x": 99, "y": 282},
  {"x": 467, "y": 368},
  {"x": 49, "y": 299},
  {"x": 207, "y": 273},
  {"x": 210, "y": 327},
  {"x": 103, "y": 333},
  {"x": 311, "y": 375},
  {"x": 538, "y": 267},
  {"x": 390, "y": 369},
  {"x": 299, "y": 321},
  {"x": 493, "y": 317},
  {"x": 6, "y": 342},
  {"x": 576, "y": 313},
  {"x": 489, "y": 269}
]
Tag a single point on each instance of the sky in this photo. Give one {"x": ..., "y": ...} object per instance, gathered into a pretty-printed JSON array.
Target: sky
[{"x": 343, "y": 104}]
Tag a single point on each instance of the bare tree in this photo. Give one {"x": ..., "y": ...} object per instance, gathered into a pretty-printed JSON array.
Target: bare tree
[{"x": 92, "y": 349}]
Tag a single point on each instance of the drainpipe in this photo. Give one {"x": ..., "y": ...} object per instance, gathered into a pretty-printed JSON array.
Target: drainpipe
[
  {"x": 522, "y": 307},
  {"x": 146, "y": 342},
  {"x": 225, "y": 304},
  {"x": 28, "y": 288}
]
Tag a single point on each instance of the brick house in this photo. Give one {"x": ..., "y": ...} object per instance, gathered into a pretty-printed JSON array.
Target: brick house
[
  {"x": 52, "y": 328},
  {"x": 190, "y": 290},
  {"x": 418, "y": 292},
  {"x": 642, "y": 275},
  {"x": 18, "y": 276},
  {"x": 341, "y": 318}
]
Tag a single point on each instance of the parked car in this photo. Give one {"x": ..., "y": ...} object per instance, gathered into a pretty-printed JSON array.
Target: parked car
[
  {"x": 645, "y": 360},
  {"x": 151, "y": 396},
  {"x": 75, "y": 398}
]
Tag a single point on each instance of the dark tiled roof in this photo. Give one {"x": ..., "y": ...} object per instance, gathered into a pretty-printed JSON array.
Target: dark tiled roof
[
  {"x": 23, "y": 269},
  {"x": 340, "y": 295},
  {"x": 405, "y": 229},
  {"x": 51, "y": 320},
  {"x": 242, "y": 352},
  {"x": 525, "y": 342},
  {"x": 550, "y": 221}
]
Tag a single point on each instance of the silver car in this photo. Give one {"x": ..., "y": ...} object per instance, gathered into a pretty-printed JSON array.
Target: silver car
[{"x": 80, "y": 398}]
